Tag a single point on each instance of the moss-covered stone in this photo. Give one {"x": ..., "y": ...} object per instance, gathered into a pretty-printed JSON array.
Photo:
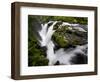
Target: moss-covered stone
[
  {"x": 60, "y": 39},
  {"x": 65, "y": 37}
]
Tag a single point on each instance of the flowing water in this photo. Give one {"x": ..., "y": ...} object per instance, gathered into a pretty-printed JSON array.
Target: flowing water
[{"x": 61, "y": 55}]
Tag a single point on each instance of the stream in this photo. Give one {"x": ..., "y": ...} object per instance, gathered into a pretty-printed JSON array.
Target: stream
[{"x": 62, "y": 56}]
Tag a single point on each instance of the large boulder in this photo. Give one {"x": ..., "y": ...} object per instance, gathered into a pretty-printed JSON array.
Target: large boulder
[{"x": 66, "y": 36}]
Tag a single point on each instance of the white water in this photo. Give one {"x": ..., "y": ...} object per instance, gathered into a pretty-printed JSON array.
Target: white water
[
  {"x": 64, "y": 57},
  {"x": 60, "y": 55},
  {"x": 75, "y": 26},
  {"x": 46, "y": 41},
  {"x": 46, "y": 34}
]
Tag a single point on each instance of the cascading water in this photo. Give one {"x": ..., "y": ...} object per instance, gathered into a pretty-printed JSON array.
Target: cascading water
[
  {"x": 46, "y": 41},
  {"x": 60, "y": 55},
  {"x": 64, "y": 57}
]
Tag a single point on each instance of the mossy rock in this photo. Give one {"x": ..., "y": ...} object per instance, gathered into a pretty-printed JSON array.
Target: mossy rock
[
  {"x": 65, "y": 37},
  {"x": 60, "y": 40}
]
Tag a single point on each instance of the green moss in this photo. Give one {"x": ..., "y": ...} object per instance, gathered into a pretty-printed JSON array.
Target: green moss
[
  {"x": 43, "y": 19},
  {"x": 36, "y": 55},
  {"x": 39, "y": 60},
  {"x": 65, "y": 37},
  {"x": 60, "y": 39}
]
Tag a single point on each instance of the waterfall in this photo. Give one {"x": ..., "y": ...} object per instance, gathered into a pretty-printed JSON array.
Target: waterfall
[
  {"x": 60, "y": 55},
  {"x": 46, "y": 41},
  {"x": 64, "y": 57}
]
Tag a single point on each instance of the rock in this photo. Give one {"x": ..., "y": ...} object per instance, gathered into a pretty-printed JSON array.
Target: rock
[
  {"x": 79, "y": 58},
  {"x": 59, "y": 23},
  {"x": 66, "y": 37},
  {"x": 57, "y": 63}
]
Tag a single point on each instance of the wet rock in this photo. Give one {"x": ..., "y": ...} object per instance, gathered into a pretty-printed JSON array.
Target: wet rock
[
  {"x": 57, "y": 25},
  {"x": 79, "y": 58},
  {"x": 57, "y": 63},
  {"x": 65, "y": 37}
]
